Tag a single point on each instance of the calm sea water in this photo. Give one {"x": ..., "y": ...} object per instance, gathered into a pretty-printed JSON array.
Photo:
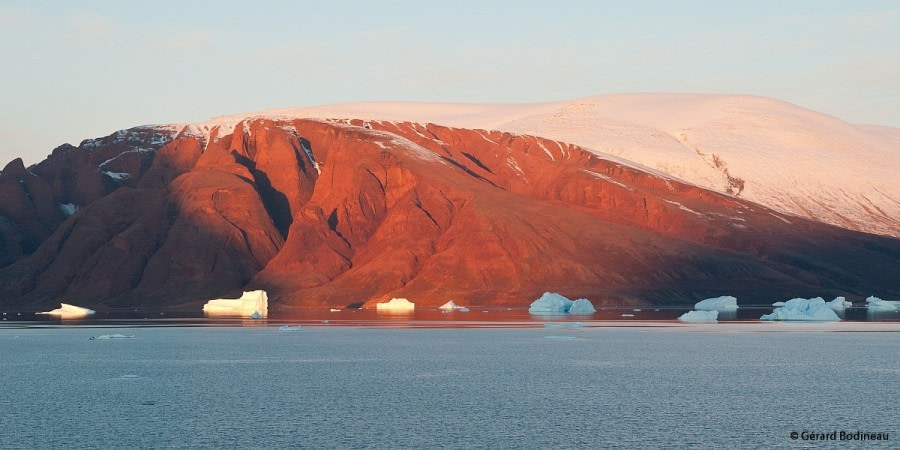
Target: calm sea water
[{"x": 334, "y": 386}]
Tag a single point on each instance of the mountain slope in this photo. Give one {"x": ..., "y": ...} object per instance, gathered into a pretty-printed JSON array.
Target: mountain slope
[
  {"x": 788, "y": 158},
  {"x": 341, "y": 212}
]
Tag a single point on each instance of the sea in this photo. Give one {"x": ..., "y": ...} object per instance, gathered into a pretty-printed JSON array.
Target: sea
[{"x": 483, "y": 379}]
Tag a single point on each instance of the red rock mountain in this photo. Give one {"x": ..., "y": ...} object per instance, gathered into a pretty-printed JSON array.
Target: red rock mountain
[{"x": 337, "y": 213}]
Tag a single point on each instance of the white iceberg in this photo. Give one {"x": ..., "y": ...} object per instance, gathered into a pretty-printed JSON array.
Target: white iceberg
[
  {"x": 699, "y": 316},
  {"x": 452, "y": 306},
  {"x": 723, "y": 303},
  {"x": 67, "y": 311},
  {"x": 839, "y": 304},
  {"x": 553, "y": 303},
  {"x": 252, "y": 304},
  {"x": 396, "y": 305},
  {"x": 877, "y": 304},
  {"x": 802, "y": 309}
]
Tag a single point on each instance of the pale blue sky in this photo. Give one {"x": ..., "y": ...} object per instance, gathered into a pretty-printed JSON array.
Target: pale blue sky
[{"x": 79, "y": 69}]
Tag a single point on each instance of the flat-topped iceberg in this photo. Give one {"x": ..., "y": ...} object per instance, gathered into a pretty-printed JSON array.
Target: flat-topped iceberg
[
  {"x": 839, "y": 304},
  {"x": 553, "y": 303},
  {"x": 699, "y": 316},
  {"x": 877, "y": 304},
  {"x": 252, "y": 304},
  {"x": 803, "y": 309},
  {"x": 723, "y": 303},
  {"x": 67, "y": 311},
  {"x": 401, "y": 305}
]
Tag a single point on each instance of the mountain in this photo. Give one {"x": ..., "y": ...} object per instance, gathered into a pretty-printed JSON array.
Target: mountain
[
  {"x": 338, "y": 212},
  {"x": 788, "y": 158}
]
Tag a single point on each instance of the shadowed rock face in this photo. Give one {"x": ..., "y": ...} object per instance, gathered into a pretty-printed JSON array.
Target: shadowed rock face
[{"x": 333, "y": 213}]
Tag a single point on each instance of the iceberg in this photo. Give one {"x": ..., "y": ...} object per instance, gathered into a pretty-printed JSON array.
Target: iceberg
[
  {"x": 252, "y": 304},
  {"x": 877, "y": 304},
  {"x": 839, "y": 304},
  {"x": 553, "y": 303},
  {"x": 802, "y": 309},
  {"x": 699, "y": 316},
  {"x": 67, "y": 311},
  {"x": 723, "y": 303},
  {"x": 582, "y": 306},
  {"x": 104, "y": 337},
  {"x": 778, "y": 304},
  {"x": 400, "y": 305},
  {"x": 452, "y": 306}
]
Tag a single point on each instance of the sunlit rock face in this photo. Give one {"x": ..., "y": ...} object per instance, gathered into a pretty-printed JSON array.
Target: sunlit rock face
[{"x": 336, "y": 213}]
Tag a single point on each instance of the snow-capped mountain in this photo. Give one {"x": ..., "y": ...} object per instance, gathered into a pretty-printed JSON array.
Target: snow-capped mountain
[
  {"x": 343, "y": 211},
  {"x": 788, "y": 158}
]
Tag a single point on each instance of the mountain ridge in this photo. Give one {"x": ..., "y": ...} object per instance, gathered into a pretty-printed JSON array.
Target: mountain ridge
[{"x": 345, "y": 212}]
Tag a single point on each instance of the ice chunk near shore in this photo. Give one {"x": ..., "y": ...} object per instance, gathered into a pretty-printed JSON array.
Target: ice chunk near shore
[
  {"x": 839, "y": 304},
  {"x": 452, "y": 306},
  {"x": 723, "y": 303},
  {"x": 802, "y": 309},
  {"x": 396, "y": 305},
  {"x": 875, "y": 303},
  {"x": 67, "y": 311},
  {"x": 699, "y": 316},
  {"x": 252, "y": 304},
  {"x": 553, "y": 303}
]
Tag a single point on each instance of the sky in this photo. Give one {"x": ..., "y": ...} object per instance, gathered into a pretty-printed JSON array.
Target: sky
[{"x": 77, "y": 69}]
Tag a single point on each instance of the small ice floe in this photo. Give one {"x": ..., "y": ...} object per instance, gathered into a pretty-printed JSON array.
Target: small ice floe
[
  {"x": 723, "y": 303},
  {"x": 104, "y": 337},
  {"x": 636, "y": 309},
  {"x": 67, "y": 311},
  {"x": 335, "y": 310},
  {"x": 289, "y": 328},
  {"x": 553, "y": 303},
  {"x": 252, "y": 304},
  {"x": 877, "y": 304},
  {"x": 396, "y": 305},
  {"x": 452, "y": 306},
  {"x": 627, "y": 315},
  {"x": 778, "y": 304},
  {"x": 559, "y": 337},
  {"x": 699, "y": 316},
  {"x": 129, "y": 377},
  {"x": 563, "y": 325},
  {"x": 803, "y": 309},
  {"x": 839, "y": 304}
]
